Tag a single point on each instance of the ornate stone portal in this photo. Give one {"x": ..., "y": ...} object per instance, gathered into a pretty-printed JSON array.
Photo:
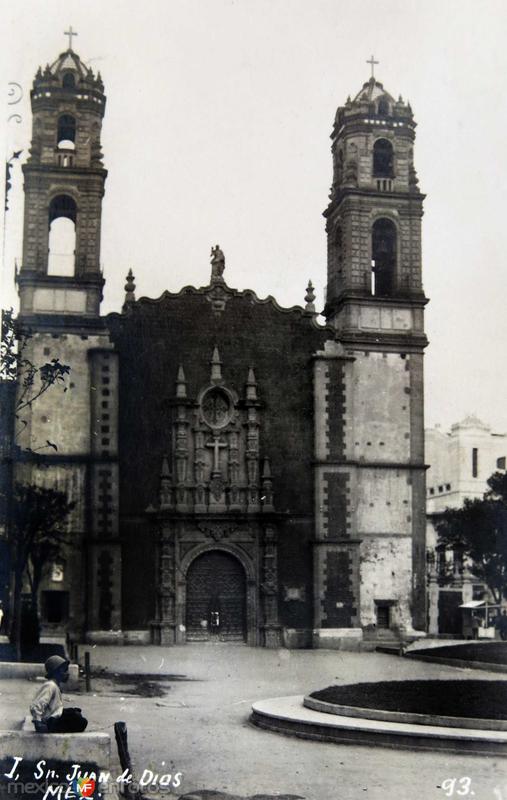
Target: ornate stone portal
[{"x": 217, "y": 528}]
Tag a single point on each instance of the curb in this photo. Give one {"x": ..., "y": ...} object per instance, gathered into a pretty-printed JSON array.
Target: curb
[
  {"x": 289, "y": 716},
  {"x": 469, "y": 723},
  {"x": 458, "y": 662}
]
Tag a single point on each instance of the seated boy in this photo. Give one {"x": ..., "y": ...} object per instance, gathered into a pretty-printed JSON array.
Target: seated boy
[{"x": 48, "y": 713}]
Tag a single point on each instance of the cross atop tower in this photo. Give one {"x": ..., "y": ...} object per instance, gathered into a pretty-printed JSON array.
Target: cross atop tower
[
  {"x": 372, "y": 62},
  {"x": 70, "y": 33}
]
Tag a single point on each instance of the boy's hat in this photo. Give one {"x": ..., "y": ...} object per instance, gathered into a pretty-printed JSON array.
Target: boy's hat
[{"x": 54, "y": 663}]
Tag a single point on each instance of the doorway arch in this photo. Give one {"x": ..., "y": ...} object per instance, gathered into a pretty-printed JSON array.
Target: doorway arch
[{"x": 216, "y": 597}]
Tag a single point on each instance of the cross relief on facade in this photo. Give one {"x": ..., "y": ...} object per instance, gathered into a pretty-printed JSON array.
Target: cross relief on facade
[{"x": 216, "y": 444}]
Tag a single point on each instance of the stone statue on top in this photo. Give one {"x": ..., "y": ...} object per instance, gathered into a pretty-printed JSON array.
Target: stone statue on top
[{"x": 217, "y": 263}]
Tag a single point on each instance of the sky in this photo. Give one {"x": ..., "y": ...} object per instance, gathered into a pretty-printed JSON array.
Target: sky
[{"x": 217, "y": 130}]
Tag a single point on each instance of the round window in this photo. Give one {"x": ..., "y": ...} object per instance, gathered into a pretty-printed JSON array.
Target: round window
[{"x": 216, "y": 408}]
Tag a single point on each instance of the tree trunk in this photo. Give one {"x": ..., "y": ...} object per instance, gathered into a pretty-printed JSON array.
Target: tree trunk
[
  {"x": 36, "y": 581},
  {"x": 16, "y": 613}
]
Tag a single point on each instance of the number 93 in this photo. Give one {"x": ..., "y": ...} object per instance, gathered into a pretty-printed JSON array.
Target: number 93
[{"x": 459, "y": 786}]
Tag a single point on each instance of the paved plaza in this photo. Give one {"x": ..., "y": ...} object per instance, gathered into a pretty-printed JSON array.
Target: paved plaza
[{"x": 201, "y": 729}]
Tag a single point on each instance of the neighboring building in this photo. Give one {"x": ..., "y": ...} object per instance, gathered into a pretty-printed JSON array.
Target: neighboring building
[
  {"x": 461, "y": 462},
  {"x": 240, "y": 471}
]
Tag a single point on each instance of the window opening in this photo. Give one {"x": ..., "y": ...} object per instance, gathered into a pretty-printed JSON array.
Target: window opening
[
  {"x": 383, "y": 159},
  {"x": 216, "y": 408},
  {"x": 65, "y": 160},
  {"x": 55, "y": 607},
  {"x": 62, "y": 236},
  {"x": 475, "y": 462},
  {"x": 441, "y": 561},
  {"x": 383, "y": 615},
  {"x": 383, "y": 258},
  {"x": 478, "y": 591},
  {"x": 66, "y": 136},
  {"x": 69, "y": 82},
  {"x": 457, "y": 561}
]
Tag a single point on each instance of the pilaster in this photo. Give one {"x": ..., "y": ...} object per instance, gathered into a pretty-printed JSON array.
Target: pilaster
[
  {"x": 336, "y": 549},
  {"x": 269, "y": 589}
]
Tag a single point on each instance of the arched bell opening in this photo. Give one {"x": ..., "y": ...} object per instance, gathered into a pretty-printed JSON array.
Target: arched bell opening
[
  {"x": 66, "y": 132},
  {"x": 62, "y": 236},
  {"x": 383, "y": 255}
]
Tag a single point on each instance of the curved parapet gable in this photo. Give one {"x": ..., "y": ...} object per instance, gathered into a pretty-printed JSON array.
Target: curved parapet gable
[{"x": 218, "y": 296}]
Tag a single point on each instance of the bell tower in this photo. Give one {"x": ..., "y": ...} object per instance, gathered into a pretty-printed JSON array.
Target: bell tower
[
  {"x": 374, "y": 217},
  {"x": 60, "y": 288},
  {"x": 64, "y": 186},
  {"x": 369, "y": 406}
]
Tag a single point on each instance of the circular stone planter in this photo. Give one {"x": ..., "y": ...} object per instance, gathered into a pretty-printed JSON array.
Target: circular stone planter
[
  {"x": 479, "y": 705},
  {"x": 470, "y": 723},
  {"x": 288, "y": 715}
]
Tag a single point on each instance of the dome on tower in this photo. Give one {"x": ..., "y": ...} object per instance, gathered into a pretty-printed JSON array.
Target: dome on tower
[
  {"x": 373, "y": 103},
  {"x": 69, "y": 62},
  {"x": 372, "y": 91},
  {"x": 68, "y": 72}
]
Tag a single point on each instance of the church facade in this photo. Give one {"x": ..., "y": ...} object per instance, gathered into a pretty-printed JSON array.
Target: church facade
[{"x": 241, "y": 472}]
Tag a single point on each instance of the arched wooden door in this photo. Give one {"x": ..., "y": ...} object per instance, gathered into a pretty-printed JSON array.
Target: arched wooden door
[{"x": 216, "y": 598}]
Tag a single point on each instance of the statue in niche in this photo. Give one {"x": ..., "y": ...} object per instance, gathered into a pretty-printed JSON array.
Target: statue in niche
[{"x": 217, "y": 262}]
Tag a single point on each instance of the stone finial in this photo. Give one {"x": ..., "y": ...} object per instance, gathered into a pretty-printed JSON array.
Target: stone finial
[
  {"x": 216, "y": 366},
  {"x": 130, "y": 288},
  {"x": 251, "y": 385},
  {"x": 181, "y": 383},
  {"x": 217, "y": 264},
  {"x": 309, "y": 298}
]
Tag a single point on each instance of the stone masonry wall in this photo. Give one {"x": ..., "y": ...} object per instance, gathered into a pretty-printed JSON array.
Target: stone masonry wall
[{"x": 61, "y": 416}]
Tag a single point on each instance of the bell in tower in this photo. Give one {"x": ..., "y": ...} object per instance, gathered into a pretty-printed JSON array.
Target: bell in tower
[{"x": 64, "y": 186}]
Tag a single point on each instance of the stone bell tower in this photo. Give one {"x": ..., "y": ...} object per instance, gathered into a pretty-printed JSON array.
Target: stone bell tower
[
  {"x": 374, "y": 216},
  {"x": 74, "y": 430},
  {"x": 370, "y": 484},
  {"x": 64, "y": 185}
]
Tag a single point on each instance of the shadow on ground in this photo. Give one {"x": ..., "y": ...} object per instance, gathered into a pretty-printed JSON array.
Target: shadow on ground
[{"x": 140, "y": 684}]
